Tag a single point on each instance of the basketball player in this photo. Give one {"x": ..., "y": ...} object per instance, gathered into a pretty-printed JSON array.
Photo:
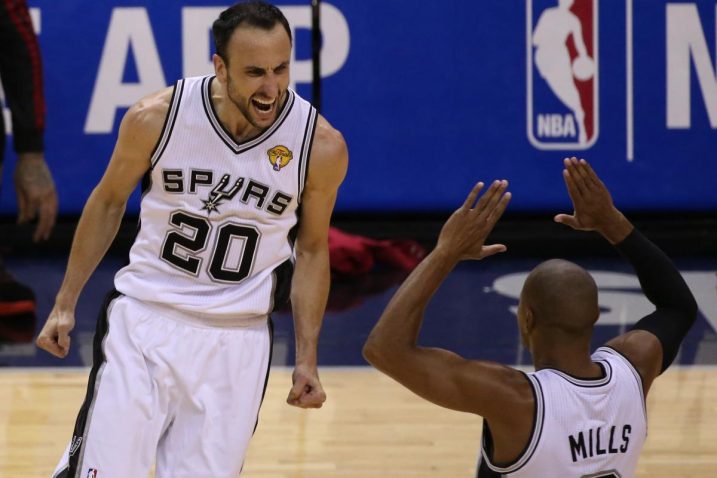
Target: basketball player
[
  {"x": 578, "y": 415},
  {"x": 240, "y": 176}
]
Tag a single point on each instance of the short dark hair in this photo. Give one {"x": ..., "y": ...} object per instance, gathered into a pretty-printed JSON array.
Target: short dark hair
[{"x": 256, "y": 13}]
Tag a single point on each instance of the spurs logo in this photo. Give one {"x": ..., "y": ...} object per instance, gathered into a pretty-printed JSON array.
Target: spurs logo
[
  {"x": 219, "y": 194},
  {"x": 75, "y": 445}
]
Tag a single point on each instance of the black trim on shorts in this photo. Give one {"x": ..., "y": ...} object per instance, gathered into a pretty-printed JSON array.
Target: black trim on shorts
[{"x": 98, "y": 359}]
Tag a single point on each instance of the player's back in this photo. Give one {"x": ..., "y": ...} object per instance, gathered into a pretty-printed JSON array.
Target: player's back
[{"x": 583, "y": 427}]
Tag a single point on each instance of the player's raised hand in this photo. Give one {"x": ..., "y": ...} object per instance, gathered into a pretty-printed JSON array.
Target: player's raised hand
[
  {"x": 306, "y": 391},
  {"x": 55, "y": 334},
  {"x": 463, "y": 235},
  {"x": 592, "y": 203}
]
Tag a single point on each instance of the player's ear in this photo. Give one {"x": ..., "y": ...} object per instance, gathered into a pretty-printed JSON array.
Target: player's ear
[
  {"x": 220, "y": 68},
  {"x": 529, "y": 322}
]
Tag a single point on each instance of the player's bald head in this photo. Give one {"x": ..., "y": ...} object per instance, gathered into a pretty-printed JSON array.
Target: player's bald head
[{"x": 561, "y": 295}]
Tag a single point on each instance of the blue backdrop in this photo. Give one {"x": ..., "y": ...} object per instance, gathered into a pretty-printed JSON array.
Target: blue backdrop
[{"x": 430, "y": 96}]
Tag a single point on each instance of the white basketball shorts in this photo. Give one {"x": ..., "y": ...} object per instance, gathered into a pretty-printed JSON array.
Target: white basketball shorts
[{"x": 180, "y": 393}]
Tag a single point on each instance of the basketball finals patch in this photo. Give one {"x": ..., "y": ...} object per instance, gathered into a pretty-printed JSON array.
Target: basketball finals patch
[{"x": 279, "y": 156}]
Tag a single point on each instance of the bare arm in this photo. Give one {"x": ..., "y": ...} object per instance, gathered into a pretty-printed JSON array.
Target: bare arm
[
  {"x": 438, "y": 375},
  {"x": 310, "y": 284},
  {"x": 103, "y": 213}
]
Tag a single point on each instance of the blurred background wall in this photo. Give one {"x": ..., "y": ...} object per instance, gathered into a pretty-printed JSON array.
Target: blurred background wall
[{"x": 430, "y": 95}]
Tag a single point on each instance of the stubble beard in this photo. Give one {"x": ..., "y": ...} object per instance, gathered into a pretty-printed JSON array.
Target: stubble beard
[{"x": 244, "y": 107}]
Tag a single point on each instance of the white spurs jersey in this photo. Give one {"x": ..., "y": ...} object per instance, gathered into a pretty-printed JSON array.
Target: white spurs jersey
[
  {"x": 217, "y": 216},
  {"x": 584, "y": 428}
]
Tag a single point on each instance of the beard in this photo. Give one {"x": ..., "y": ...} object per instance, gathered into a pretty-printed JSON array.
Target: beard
[{"x": 244, "y": 106}]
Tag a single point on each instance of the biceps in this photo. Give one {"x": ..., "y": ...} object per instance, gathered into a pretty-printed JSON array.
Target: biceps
[{"x": 316, "y": 209}]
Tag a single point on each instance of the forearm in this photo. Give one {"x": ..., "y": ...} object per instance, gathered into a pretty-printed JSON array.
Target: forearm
[
  {"x": 309, "y": 293},
  {"x": 659, "y": 278},
  {"x": 21, "y": 68},
  {"x": 398, "y": 328},
  {"x": 95, "y": 232}
]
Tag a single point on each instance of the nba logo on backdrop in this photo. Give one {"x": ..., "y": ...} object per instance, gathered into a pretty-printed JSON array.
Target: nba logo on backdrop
[
  {"x": 92, "y": 473},
  {"x": 563, "y": 71}
]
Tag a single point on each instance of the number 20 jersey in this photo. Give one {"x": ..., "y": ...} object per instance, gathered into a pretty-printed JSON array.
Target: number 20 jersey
[{"x": 218, "y": 217}]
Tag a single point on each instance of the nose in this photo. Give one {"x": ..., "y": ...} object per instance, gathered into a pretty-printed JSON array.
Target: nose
[{"x": 270, "y": 88}]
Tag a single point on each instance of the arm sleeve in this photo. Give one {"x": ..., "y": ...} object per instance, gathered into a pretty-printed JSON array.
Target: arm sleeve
[
  {"x": 21, "y": 74},
  {"x": 676, "y": 309}
]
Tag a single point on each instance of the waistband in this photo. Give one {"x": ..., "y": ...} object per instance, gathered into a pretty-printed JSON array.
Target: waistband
[{"x": 199, "y": 320}]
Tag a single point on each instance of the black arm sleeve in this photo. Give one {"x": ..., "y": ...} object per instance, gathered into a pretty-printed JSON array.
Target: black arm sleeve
[
  {"x": 21, "y": 74},
  {"x": 676, "y": 309}
]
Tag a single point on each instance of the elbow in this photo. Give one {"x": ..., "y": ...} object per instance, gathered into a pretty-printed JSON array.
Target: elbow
[
  {"x": 376, "y": 353},
  {"x": 371, "y": 351},
  {"x": 686, "y": 304}
]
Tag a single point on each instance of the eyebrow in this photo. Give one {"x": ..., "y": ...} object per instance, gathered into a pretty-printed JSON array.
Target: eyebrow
[{"x": 283, "y": 64}]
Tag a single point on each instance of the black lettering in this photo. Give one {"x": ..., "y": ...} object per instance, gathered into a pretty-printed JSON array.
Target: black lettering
[
  {"x": 625, "y": 438},
  {"x": 256, "y": 190},
  {"x": 598, "y": 450},
  {"x": 173, "y": 180},
  {"x": 200, "y": 178},
  {"x": 610, "y": 448},
  {"x": 591, "y": 443},
  {"x": 577, "y": 447},
  {"x": 279, "y": 203}
]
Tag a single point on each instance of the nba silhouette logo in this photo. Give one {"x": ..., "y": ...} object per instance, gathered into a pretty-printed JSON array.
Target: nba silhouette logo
[
  {"x": 92, "y": 473},
  {"x": 563, "y": 71}
]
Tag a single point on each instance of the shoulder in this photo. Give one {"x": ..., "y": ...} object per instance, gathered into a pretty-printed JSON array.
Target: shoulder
[
  {"x": 329, "y": 155},
  {"x": 143, "y": 122},
  {"x": 643, "y": 350}
]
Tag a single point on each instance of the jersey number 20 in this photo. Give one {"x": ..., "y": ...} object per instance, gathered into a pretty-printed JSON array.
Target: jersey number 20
[{"x": 191, "y": 233}]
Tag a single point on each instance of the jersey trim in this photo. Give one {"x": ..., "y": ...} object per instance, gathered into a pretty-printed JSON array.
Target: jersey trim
[
  {"x": 306, "y": 145},
  {"x": 535, "y": 434},
  {"x": 635, "y": 373},
  {"x": 169, "y": 121},
  {"x": 227, "y": 137},
  {"x": 588, "y": 382}
]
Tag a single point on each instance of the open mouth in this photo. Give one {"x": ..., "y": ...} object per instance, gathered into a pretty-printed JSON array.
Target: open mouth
[{"x": 263, "y": 106}]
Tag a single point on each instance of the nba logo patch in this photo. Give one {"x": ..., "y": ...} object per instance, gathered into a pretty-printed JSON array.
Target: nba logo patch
[
  {"x": 563, "y": 72},
  {"x": 92, "y": 473}
]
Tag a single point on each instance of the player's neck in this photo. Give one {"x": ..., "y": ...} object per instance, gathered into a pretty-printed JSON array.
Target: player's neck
[
  {"x": 230, "y": 116},
  {"x": 573, "y": 359}
]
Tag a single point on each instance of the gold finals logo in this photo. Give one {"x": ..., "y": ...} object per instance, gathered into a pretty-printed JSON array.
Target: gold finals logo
[{"x": 279, "y": 156}]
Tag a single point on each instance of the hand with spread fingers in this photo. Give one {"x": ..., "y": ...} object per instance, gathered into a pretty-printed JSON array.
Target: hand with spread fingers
[
  {"x": 463, "y": 235},
  {"x": 592, "y": 203}
]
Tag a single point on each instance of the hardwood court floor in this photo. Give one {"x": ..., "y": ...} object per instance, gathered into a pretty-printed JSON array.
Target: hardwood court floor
[{"x": 369, "y": 427}]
